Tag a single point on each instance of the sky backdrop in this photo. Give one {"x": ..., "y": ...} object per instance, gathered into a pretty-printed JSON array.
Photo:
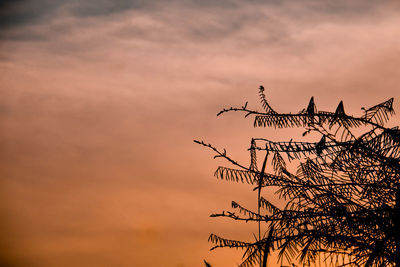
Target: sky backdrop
[{"x": 100, "y": 102}]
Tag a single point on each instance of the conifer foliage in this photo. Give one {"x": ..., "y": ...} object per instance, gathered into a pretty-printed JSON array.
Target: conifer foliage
[{"x": 342, "y": 204}]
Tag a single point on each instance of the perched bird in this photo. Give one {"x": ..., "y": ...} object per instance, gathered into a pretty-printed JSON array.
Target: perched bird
[
  {"x": 311, "y": 107},
  {"x": 340, "y": 109},
  {"x": 320, "y": 146}
]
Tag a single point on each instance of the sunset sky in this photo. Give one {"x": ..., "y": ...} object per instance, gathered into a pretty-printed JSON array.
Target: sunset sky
[{"x": 100, "y": 102}]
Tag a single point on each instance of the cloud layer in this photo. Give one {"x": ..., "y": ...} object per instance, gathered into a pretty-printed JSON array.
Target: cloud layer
[{"x": 100, "y": 101}]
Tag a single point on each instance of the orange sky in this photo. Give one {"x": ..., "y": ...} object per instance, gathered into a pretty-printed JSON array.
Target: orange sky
[{"x": 100, "y": 102}]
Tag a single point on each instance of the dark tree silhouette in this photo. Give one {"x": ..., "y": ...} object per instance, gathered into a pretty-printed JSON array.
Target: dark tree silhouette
[{"x": 341, "y": 206}]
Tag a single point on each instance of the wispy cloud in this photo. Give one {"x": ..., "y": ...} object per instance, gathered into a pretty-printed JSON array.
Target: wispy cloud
[
  {"x": 100, "y": 102},
  {"x": 202, "y": 19}
]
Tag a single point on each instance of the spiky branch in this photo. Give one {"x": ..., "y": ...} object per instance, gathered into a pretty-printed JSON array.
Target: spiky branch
[{"x": 341, "y": 205}]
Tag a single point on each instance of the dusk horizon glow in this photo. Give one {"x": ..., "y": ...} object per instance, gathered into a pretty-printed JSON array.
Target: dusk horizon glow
[{"x": 101, "y": 101}]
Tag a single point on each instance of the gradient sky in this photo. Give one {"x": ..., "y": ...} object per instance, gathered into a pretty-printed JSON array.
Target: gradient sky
[{"x": 100, "y": 101}]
